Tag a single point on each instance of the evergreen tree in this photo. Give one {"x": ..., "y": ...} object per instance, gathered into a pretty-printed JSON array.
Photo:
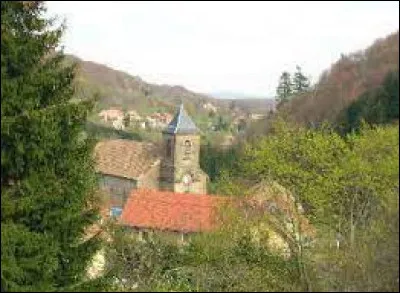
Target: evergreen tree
[
  {"x": 376, "y": 106},
  {"x": 284, "y": 89},
  {"x": 300, "y": 81},
  {"x": 391, "y": 85},
  {"x": 47, "y": 176}
]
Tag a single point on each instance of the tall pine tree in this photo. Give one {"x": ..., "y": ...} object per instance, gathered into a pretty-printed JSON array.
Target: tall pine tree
[
  {"x": 300, "y": 81},
  {"x": 47, "y": 175},
  {"x": 284, "y": 89}
]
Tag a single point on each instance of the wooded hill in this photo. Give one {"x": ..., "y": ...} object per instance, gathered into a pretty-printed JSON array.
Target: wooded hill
[
  {"x": 120, "y": 89},
  {"x": 347, "y": 79}
]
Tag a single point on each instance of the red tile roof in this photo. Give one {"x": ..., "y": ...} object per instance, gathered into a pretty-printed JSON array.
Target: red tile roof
[
  {"x": 185, "y": 212},
  {"x": 166, "y": 210}
]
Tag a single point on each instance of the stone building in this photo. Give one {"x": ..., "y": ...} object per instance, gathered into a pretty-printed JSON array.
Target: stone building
[
  {"x": 123, "y": 165},
  {"x": 273, "y": 216},
  {"x": 111, "y": 115},
  {"x": 180, "y": 168}
]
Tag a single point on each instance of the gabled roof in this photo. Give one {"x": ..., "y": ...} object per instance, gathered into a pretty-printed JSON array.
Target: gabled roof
[
  {"x": 186, "y": 212},
  {"x": 125, "y": 158},
  {"x": 181, "y": 124},
  {"x": 167, "y": 210}
]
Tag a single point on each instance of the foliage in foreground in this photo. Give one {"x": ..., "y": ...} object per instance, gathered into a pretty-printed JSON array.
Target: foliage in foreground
[
  {"x": 206, "y": 263},
  {"x": 349, "y": 188},
  {"x": 47, "y": 176}
]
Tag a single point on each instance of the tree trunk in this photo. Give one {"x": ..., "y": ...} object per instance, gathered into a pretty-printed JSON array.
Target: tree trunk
[{"x": 352, "y": 224}]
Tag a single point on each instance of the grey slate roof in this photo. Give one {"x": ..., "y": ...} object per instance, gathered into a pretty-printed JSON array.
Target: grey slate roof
[{"x": 181, "y": 124}]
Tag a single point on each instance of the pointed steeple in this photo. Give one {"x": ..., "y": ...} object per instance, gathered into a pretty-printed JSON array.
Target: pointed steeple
[{"x": 181, "y": 124}]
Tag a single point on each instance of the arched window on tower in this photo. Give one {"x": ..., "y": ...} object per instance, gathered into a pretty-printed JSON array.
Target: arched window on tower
[{"x": 187, "y": 149}]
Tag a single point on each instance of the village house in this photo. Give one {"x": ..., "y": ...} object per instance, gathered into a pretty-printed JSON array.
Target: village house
[
  {"x": 158, "y": 120},
  {"x": 134, "y": 116},
  {"x": 111, "y": 115},
  {"x": 115, "y": 116},
  {"x": 209, "y": 106},
  {"x": 179, "y": 215},
  {"x": 163, "y": 118},
  {"x": 118, "y": 123},
  {"x": 176, "y": 214},
  {"x": 142, "y": 124},
  {"x": 151, "y": 122}
]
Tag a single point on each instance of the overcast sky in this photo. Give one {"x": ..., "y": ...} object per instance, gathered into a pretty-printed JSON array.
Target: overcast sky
[{"x": 222, "y": 46}]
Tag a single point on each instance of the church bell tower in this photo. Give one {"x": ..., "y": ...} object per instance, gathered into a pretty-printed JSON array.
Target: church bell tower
[{"x": 180, "y": 169}]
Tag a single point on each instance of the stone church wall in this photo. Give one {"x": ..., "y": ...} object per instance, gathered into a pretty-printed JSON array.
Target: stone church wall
[
  {"x": 118, "y": 189},
  {"x": 182, "y": 160},
  {"x": 185, "y": 155},
  {"x": 199, "y": 187},
  {"x": 150, "y": 179}
]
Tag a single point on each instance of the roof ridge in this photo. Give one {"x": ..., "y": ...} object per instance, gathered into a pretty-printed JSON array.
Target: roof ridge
[
  {"x": 179, "y": 118},
  {"x": 168, "y": 202},
  {"x": 141, "y": 189}
]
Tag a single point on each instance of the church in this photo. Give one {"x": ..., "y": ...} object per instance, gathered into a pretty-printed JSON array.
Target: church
[{"x": 126, "y": 165}]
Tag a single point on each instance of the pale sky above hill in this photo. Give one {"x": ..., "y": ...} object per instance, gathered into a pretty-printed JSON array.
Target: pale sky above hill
[{"x": 221, "y": 46}]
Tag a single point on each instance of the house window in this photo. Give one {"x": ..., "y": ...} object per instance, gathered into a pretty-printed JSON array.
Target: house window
[{"x": 115, "y": 212}]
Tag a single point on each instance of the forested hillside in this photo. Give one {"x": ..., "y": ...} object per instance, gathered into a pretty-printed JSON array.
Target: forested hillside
[
  {"x": 119, "y": 89},
  {"x": 376, "y": 106},
  {"x": 345, "y": 81}
]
